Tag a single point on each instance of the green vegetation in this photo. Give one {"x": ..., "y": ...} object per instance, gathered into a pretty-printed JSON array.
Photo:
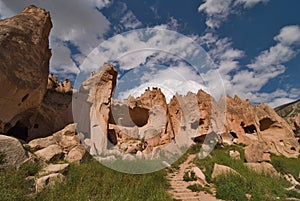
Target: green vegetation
[
  {"x": 15, "y": 186},
  {"x": 2, "y": 158},
  {"x": 286, "y": 165},
  {"x": 87, "y": 181},
  {"x": 189, "y": 176},
  {"x": 235, "y": 187},
  {"x": 92, "y": 181}
]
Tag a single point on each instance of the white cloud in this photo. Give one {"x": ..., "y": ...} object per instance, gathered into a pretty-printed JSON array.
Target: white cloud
[
  {"x": 289, "y": 35},
  {"x": 175, "y": 79},
  {"x": 76, "y": 21},
  {"x": 250, "y": 3},
  {"x": 217, "y": 11}
]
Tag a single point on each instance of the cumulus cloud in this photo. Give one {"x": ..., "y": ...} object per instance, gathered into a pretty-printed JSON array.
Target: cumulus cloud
[
  {"x": 217, "y": 11},
  {"x": 75, "y": 21}
]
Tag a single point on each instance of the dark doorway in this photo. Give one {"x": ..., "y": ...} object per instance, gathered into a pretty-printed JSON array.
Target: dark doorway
[{"x": 18, "y": 131}]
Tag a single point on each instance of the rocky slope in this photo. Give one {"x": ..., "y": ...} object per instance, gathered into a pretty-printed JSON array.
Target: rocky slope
[{"x": 291, "y": 113}]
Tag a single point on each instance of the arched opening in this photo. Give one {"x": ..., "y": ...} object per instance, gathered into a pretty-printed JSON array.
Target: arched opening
[
  {"x": 18, "y": 131},
  {"x": 265, "y": 124}
]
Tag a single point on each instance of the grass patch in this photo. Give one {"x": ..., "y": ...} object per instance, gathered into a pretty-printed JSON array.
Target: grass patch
[
  {"x": 92, "y": 181},
  {"x": 286, "y": 165},
  {"x": 235, "y": 187},
  {"x": 15, "y": 186}
]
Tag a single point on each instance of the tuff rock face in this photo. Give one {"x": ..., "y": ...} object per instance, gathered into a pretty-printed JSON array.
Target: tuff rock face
[
  {"x": 147, "y": 123},
  {"x": 29, "y": 108},
  {"x": 24, "y": 66},
  {"x": 91, "y": 108},
  {"x": 291, "y": 113}
]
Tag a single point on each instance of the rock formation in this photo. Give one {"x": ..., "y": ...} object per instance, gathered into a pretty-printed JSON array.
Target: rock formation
[
  {"x": 91, "y": 108},
  {"x": 24, "y": 67},
  {"x": 61, "y": 87},
  {"x": 28, "y": 109},
  {"x": 291, "y": 113}
]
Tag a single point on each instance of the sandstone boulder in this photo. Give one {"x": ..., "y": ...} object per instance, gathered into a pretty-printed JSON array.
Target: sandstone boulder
[
  {"x": 12, "y": 152},
  {"x": 222, "y": 170},
  {"x": 54, "y": 168},
  {"x": 235, "y": 154},
  {"x": 76, "y": 154},
  {"x": 24, "y": 67},
  {"x": 49, "y": 153},
  {"x": 41, "y": 143},
  {"x": 48, "y": 181},
  {"x": 263, "y": 167},
  {"x": 199, "y": 175}
]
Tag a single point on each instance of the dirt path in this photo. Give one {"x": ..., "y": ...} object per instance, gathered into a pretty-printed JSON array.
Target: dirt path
[{"x": 178, "y": 187}]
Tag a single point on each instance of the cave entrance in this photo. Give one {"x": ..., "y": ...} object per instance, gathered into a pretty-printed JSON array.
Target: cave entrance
[
  {"x": 139, "y": 116},
  {"x": 249, "y": 129},
  {"x": 265, "y": 124},
  {"x": 20, "y": 131},
  {"x": 233, "y": 134}
]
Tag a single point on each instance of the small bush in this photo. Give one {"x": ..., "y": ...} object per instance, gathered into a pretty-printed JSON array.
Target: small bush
[
  {"x": 189, "y": 176},
  {"x": 195, "y": 188},
  {"x": 286, "y": 165}
]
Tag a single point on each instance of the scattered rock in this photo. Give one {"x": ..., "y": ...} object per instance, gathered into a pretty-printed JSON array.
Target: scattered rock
[
  {"x": 222, "y": 170},
  {"x": 13, "y": 152},
  {"x": 48, "y": 181},
  {"x": 235, "y": 154},
  {"x": 248, "y": 196},
  {"x": 49, "y": 153},
  {"x": 199, "y": 175},
  {"x": 76, "y": 154},
  {"x": 263, "y": 167},
  {"x": 54, "y": 168},
  {"x": 41, "y": 143},
  {"x": 291, "y": 179}
]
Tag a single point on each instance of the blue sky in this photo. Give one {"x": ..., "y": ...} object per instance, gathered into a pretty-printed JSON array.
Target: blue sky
[{"x": 254, "y": 44}]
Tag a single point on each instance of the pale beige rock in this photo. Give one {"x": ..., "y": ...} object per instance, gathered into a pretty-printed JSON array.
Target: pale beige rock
[
  {"x": 222, "y": 170},
  {"x": 235, "y": 154},
  {"x": 48, "y": 181},
  {"x": 91, "y": 107},
  {"x": 49, "y": 153},
  {"x": 199, "y": 175},
  {"x": 76, "y": 154},
  {"x": 41, "y": 143},
  {"x": 257, "y": 152},
  {"x": 263, "y": 167},
  {"x": 54, "y": 168},
  {"x": 13, "y": 151}
]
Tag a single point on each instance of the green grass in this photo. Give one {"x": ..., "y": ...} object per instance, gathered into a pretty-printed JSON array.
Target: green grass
[
  {"x": 286, "y": 165},
  {"x": 14, "y": 186},
  {"x": 92, "y": 181},
  {"x": 235, "y": 187}
]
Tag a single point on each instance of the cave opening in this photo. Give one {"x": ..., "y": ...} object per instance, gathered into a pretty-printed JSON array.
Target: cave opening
[
  {"x": 265, "y": 124},
  {"x": 20, "y": 131},
  {"x": 249, "y": 129},
  {"x": 233, "y": 134}
]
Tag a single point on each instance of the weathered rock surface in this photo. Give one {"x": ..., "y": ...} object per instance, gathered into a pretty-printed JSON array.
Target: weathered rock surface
[
  {"x": 263, "y": 167},
  {"x": 235, "y": 154},
  {"x": 54, "y": 168},
  {"x": 291, "y": 113},
  {"x": 91, "y": 107},
  {"x": 222, "y": 170},
  {"x": 76, "y": 154},
  {"x": 13, "y": 152},
  {"x": 24, "y": 67},
  {"x": 48, "y": 181},
  {"x": 49, "y": 153},
  {"x": 257, "y": 152}
]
